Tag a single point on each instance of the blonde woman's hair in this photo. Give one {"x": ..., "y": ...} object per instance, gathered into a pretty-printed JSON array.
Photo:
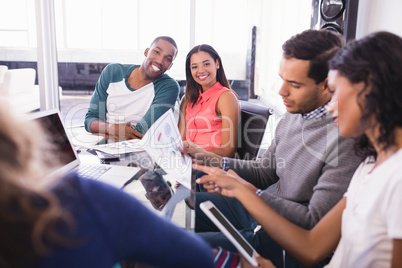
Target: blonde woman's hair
[{"x": 28, "y": 212}]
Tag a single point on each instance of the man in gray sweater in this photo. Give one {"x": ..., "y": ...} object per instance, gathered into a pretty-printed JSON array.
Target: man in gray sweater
[{"x": 308, "y": 166}]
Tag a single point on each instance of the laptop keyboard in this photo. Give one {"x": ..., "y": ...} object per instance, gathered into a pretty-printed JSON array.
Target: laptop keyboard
[{"x": 92, "y": 172}]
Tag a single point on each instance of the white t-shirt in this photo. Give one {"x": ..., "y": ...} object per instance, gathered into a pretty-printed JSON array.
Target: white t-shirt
[
  {"x": 124, "y": 105},
  {"x": 372, "y": 217}
]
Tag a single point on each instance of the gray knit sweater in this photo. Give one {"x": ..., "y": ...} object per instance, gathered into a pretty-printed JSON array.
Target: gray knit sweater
[{"x": 311, "y": 164}]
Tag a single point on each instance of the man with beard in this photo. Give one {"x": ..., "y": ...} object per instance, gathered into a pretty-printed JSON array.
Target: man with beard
[{"x": 128, "y": 98}]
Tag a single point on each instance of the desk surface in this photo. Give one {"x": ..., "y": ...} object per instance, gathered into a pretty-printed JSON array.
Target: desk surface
[{"x": 175, "y": 209}]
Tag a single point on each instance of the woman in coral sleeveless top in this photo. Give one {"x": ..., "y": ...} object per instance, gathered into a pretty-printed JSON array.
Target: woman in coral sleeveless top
[{"x": 210, "y": 109}]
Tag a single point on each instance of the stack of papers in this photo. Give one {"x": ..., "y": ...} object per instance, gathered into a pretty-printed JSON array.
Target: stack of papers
[{"x": 122, "y": 147}]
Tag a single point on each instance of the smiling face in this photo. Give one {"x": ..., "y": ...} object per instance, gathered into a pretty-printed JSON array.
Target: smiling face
[
  {"x": 299, "y": 92},
  {"x": 344, "y": 106},
  {"x": 159, "y": 59},
  {"x": 203, "y": 69}
]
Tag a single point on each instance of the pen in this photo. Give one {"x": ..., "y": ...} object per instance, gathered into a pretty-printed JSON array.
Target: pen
[
  {"x": 133, "y": 178},
  {"x": 128, "y": 182}
]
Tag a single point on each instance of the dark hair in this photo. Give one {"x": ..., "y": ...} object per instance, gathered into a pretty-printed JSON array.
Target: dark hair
[
  {"x": 192, "y": 87},
  {"x": 376, "y": 60},
  {"x": 316, "y": 46},
  {"x": 166, "y": 38}
]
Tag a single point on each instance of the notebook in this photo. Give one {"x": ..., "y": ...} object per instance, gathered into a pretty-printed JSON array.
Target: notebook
[{"x": 51, "y": 122}]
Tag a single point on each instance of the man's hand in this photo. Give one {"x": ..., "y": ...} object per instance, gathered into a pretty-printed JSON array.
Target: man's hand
[
  {"x": 201, "y": 156},
  {"x": 109, "y": 131},
  {"x": 222, "y": 182},
  {"x": 122, "y": 132}
]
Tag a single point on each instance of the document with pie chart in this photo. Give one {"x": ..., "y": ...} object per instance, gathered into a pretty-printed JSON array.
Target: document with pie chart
[{"x": 162, "y": 142}]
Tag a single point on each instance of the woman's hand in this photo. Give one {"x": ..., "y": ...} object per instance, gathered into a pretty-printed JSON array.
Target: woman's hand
[
  {"x": 200, "y": 156},
  {"x": 222, "y": 182}
]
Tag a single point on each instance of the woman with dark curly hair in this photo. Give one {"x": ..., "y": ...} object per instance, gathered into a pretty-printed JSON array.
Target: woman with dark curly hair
[
  {"x": 365, "y": 226},
  {"x": 209, "y": 112}
]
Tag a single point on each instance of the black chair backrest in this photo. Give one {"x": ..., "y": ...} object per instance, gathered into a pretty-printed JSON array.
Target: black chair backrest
[
  {"x": 253, "y": 120},
  {"x": 242, "y": 88}
]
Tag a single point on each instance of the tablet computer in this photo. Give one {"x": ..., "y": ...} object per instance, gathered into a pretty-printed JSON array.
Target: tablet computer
[{"x": 229, "y": 231}]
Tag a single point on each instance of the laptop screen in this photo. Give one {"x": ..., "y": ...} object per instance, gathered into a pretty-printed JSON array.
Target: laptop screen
[{"x": 52, "y": 124}]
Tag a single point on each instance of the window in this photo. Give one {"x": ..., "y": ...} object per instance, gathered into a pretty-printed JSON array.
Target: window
[
  {"x": 17, "y": 24},
  {"x": 102, "y": 31}
]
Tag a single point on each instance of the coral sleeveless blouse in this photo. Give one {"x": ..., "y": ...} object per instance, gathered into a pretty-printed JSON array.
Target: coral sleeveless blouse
[{"x": 203, "y": 126}]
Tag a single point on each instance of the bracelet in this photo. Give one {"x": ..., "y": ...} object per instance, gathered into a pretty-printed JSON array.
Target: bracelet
[
  {"x": 258, "y": 192},
  {"x": 225, "y": 164}
]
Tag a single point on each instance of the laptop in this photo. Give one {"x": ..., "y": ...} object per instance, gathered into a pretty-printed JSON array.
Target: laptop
[{"x": 52, "y": 124}]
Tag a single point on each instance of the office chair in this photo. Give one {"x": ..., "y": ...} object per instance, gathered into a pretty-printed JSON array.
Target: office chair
[
  {"x": 253, "y": 120},
  {"x": 242, "y": 88}
]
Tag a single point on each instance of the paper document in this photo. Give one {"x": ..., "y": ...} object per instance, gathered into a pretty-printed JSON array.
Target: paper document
[
  {"x": 122, "y": 147},
  {"x": 161, "y": 143}
]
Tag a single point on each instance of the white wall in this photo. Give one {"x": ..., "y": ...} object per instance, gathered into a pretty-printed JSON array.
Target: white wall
[{"x": 379, "y": 15}]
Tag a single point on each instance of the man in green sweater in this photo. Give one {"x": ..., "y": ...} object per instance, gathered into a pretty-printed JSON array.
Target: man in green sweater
[
  {"x": 308, "y": 166},
  {"x": 128, "y": 99}
]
